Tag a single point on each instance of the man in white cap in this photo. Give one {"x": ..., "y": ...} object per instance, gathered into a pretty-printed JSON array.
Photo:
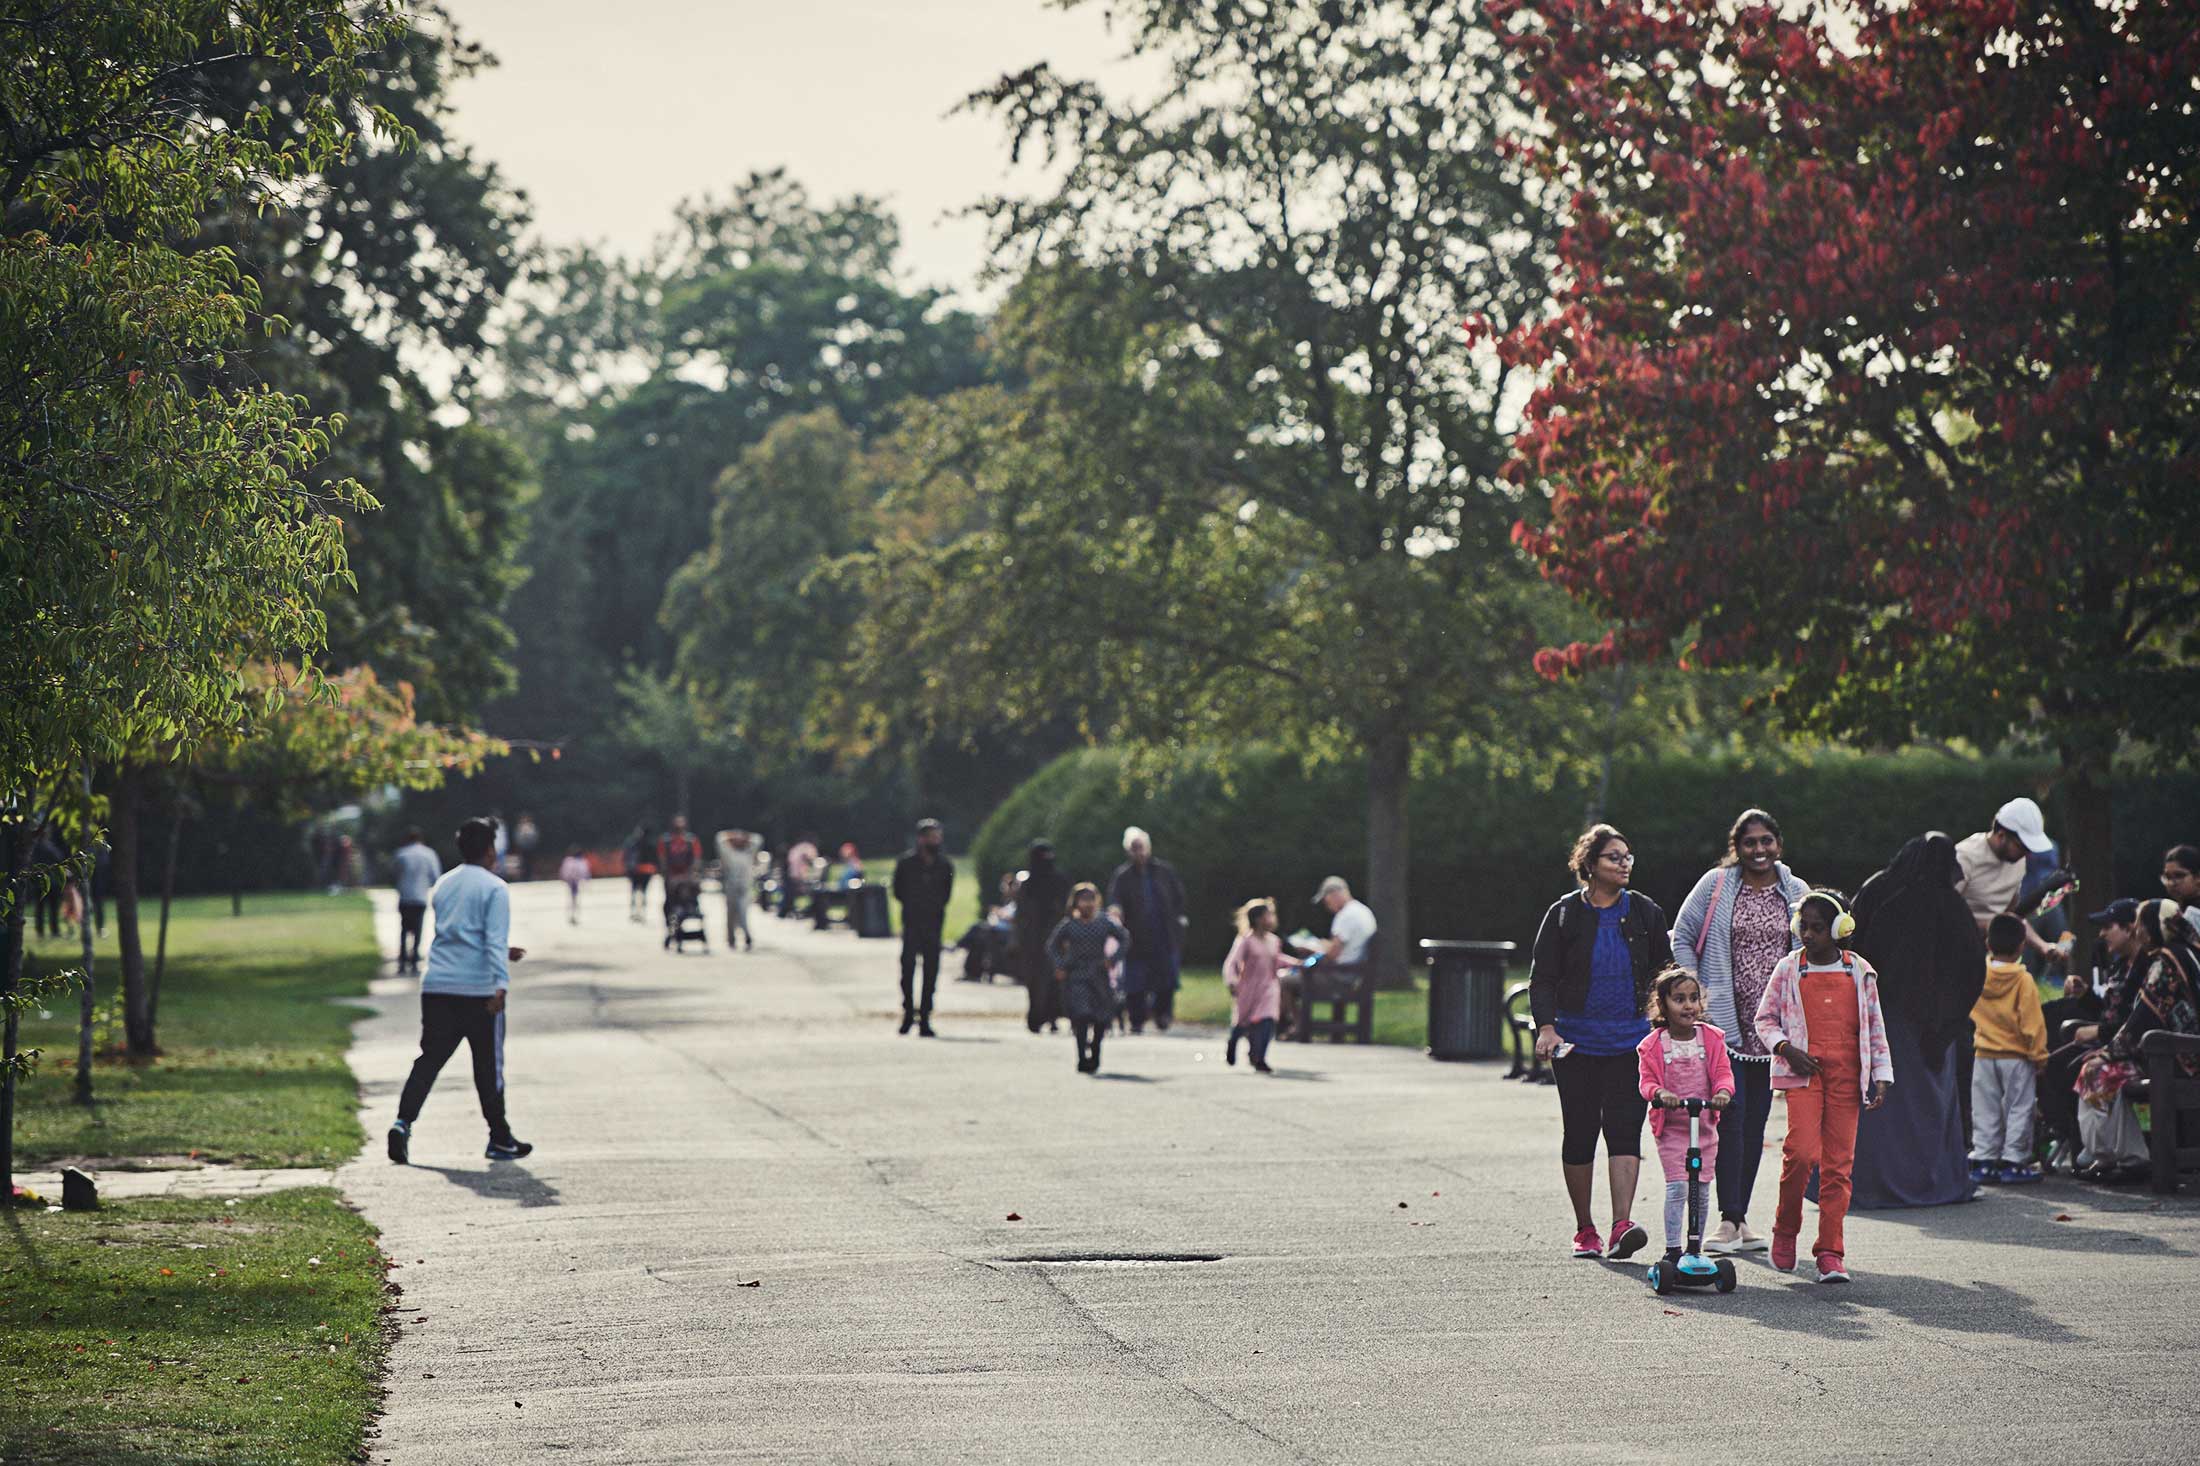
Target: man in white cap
[{"x": 1993, "y": 861}]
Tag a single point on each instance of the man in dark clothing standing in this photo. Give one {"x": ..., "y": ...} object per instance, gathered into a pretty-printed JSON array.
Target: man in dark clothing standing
[
  {"x": 1042, "y": 895},
  {"x": 922, "y": 879},
  {"x": 1147, "y": 896}
]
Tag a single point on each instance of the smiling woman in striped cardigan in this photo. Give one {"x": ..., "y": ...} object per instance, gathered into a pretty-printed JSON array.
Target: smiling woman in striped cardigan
[{"x": 1730, "y": 933}]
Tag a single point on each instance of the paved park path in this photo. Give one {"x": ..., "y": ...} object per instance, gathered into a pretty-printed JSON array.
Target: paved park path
[{"x": 759, "y": 1225}]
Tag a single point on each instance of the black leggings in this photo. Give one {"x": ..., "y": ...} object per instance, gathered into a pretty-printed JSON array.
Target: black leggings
[
  {"x": 1596, "y": 1092},
  {"x": 1088, "y": 1041}
]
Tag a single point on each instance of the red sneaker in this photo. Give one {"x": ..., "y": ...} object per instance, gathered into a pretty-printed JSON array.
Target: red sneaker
[
  {"x": 1783, "y": 1251},
  {"x": 1588, "y": 1242},
  {"x": 1830, "y": 1269},
  {"x": 1628, "y": 1238}
]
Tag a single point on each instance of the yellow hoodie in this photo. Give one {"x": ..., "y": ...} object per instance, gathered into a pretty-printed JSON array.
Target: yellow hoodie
[{"x": 2007, "y": 1014}]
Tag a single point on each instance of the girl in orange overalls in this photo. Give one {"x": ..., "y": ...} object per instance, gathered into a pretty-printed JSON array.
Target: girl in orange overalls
[{"x": 1820, "y": 1020}]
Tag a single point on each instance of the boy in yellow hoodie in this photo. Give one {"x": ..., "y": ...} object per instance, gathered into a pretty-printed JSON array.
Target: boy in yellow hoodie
[{"x": 2012, "y": 1049}]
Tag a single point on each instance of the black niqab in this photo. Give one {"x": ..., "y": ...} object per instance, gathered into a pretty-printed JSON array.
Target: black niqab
[{"x": 1915, "y": 929}]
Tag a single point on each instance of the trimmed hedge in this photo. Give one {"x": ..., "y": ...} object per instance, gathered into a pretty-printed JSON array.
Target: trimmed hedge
[{"x": 1489, "y": 850}]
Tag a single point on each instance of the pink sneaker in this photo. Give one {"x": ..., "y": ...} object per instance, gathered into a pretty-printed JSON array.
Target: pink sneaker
[
  {"x": 1628, "y": 1238},
  {"x": 1588, "y": 1243},
  {"x": 1830, "y": 1269},
  {"x": 1783, "y": 1251}
]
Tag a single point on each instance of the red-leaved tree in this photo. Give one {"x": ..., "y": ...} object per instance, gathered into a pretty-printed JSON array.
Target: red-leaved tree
[{"x": 1875, "y": 361}]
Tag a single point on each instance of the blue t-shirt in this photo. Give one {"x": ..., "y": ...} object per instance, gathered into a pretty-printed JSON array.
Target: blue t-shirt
[{"x": 1609, "y": 1022}]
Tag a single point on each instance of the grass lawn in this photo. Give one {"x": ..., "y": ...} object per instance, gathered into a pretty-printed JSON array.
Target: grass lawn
[
  {"x": 1401, "y": 1016},
  {"x": 186, "y": 1331},
  {"x": 252, "y": 1066}
]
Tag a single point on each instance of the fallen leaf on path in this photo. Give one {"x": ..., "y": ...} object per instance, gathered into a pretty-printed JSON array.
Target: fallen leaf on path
[
  {"x": 1401, "y": 1206},
  {"x": 757, "y": 1284},
  {"x": 1674, "y": 1311},
  {"x": 1015, "y": 1216},
  {"x": 2062, "y": 1216}
]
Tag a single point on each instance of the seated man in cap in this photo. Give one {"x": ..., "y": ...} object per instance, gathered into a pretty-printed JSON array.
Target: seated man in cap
[
  {"x": 1994, "y": 864},
  {"x": 1351, "y": 928}
]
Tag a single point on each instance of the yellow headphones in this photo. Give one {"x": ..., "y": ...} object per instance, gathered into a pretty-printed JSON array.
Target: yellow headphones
[{"x": 1844, "y": 925}]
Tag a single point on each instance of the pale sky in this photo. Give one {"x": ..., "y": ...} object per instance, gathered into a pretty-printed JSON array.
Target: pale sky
[{"x": 606, "y": 116}]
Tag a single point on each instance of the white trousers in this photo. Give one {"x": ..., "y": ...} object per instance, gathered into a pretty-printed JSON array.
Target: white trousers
[{"x": 2004, "y": 1093}]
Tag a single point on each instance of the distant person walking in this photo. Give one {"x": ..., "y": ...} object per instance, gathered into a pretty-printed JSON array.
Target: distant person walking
[
  {"x": 1077, "y": 949},
  {"x": 923, "y": 877},
  {"x": 462, "y": 993},
  {"x": 639, "y": 855},
  {"x": 1146, "y": 895},
  {"x": 802, "y": 863},
  {"x": 1596, "y": 961},
  {"x": 418, "y": 869},
  {"x": 1253, "y": 972},
  {"x": 1729, "y": 934},
  {"x": 1042, "y": 895},
  {"x": 737, "y": 876},
  {"x": 574, "y": 871},
  {"x": 680, "y": 862}
]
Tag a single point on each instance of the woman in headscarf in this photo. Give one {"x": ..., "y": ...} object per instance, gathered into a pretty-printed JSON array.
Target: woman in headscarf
[
  {"x": 1042, "y": 896},
  {"x": 1912, "y": 926}
]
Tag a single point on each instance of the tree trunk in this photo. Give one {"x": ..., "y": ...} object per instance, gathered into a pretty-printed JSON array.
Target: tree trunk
[
  {"x": 167, "y": 899},
  {"x": 2088, "y": 784},
  {"x": 1389, "y": 776},
  {"x": 85, "y": 1007},
  {"x": 17, "y": 848},
  {"x": 125, "y": 845}
]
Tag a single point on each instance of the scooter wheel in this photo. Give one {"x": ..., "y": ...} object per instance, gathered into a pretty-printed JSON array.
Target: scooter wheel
[
  {"x": 1661, "y": 1279},
  {"x": 1725, "y": 1282}
]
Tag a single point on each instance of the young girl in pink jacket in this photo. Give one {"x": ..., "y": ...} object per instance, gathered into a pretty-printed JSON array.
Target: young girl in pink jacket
[
  {"x": 1252, "y": 970},
  {"x": 1683, "y": 1058},
  {"x": 1820, "y": 1021}
]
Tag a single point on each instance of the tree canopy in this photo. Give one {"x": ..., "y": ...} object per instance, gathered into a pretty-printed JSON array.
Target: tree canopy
[
  {"x": 1872, "y": 362},
  {"x": 1250, "y": 484}
]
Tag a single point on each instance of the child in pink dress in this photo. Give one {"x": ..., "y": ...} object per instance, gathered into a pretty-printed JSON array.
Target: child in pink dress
[
  {"x": 573, "y": 870},
  {"x": 1253, "y": 971},
  {"x": 1684, "y": 1058}
]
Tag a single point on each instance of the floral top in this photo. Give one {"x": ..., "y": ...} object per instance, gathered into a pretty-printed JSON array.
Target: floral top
[
  {"x": 2168, "y": 998},
  {"x": 1760, "y": 940}
]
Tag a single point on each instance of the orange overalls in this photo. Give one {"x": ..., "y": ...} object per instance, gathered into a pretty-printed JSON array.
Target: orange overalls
[{"x": 1821, "y": 1125}]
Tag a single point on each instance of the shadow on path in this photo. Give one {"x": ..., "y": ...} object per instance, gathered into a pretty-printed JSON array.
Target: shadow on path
[
  {"x": 1845, "y": 1311},
  {"x": 500, "y": 1182}
]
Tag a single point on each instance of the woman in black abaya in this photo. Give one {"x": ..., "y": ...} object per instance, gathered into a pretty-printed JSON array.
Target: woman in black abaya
[{"x": 1912, "y": 925}]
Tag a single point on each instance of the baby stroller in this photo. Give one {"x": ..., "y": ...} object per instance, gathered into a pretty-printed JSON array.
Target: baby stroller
[{"x": 684, "y": 916}]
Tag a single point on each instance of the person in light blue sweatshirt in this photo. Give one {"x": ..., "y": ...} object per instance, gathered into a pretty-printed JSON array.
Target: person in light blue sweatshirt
[{"x": 462, "y": 992}]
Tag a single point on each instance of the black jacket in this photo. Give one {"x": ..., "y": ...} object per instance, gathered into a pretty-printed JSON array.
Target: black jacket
[
  {"x": 1127, "y": 892},
  {"x": 1558, "y": 971},
  {"x": 921, "y": 886}
]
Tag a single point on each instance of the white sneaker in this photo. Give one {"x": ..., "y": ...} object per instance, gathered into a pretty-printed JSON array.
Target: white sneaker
[
  {"x": 1750, "y": 1241},
  {"x": 1724, "y": 1242}
]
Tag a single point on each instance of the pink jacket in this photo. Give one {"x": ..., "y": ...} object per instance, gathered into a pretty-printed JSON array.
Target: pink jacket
[
  {"x": 1650, "y": 1068},
  {"x": 1780, "y": 1020}
]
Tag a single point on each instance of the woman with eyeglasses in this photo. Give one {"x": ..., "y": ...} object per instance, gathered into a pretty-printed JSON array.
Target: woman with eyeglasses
[{"x": 1597, "y": 956}]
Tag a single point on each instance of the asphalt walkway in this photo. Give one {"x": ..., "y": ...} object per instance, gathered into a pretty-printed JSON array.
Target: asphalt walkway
[{"x": 761, "y": 1225}]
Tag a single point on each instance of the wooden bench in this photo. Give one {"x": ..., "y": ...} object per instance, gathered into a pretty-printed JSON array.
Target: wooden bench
[
  {"x": 1344, "y": 986},
  {"x": 2173, "y": 1105}
]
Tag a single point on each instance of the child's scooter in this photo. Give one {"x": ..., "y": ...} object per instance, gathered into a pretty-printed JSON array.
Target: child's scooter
[{"x": 1693, "y": 1270}]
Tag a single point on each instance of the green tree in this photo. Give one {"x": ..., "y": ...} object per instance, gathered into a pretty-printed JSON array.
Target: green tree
[
  {"x": 1251, "y": 489},
  {"x": 755, "y": 626},
  {"x": 157, "y": 529},
  {"x": 635, "y": 386}
]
